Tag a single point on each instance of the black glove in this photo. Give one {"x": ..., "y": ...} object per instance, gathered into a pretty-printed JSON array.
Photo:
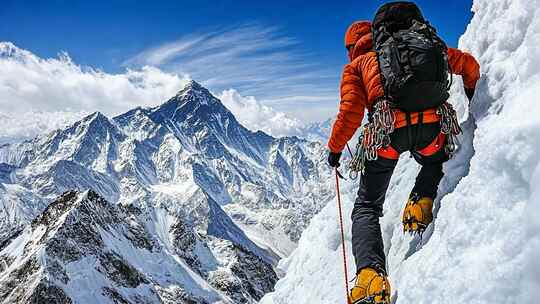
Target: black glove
[
  {"x": 469, "y": 93},
  {"x": 333, "y": 159}
]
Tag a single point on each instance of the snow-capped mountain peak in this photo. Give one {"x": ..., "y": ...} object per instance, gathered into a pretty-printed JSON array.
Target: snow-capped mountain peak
[
  {"x": 192, "y": 96},
  {"x": 193, "y": 88},
  {"x": 210, "y": 194},
  {"x": 192, "y": 101},
  {"x": 96, "y": 117}
]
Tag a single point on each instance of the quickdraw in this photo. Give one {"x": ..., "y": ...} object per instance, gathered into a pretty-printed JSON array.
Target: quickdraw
[
  {"x": 450, "y": 127},
  {"x": 375, "y": 135}
]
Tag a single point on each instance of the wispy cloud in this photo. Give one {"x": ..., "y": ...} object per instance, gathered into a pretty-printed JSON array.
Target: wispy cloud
[{"x": 255, "y": 59}]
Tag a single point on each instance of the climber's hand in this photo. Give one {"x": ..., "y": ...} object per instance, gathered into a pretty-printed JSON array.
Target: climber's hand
[
  {"x": 333, "y": 159},
  {"x": 469, "y": 93}
]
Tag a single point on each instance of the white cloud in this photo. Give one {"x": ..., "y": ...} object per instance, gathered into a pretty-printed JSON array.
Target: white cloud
[
  {"x": 28, "y": 82},
  {"x": 256, "y": 116},
  {"x": 19, "y": 126},
  {"x": 256, "y": 60},
  {"x": 39, "y": 95}
]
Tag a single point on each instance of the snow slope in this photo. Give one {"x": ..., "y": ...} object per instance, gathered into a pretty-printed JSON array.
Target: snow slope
[{"x": 484, "y": 244}]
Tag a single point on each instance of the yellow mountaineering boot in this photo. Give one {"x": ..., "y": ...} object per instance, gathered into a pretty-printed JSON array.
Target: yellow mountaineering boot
[
  {"x": 371, "y": 287},
  {"x": 418, "y": 214}
]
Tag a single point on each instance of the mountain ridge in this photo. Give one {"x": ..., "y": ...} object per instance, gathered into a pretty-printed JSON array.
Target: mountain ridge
[{"x": 189, "y": 174}]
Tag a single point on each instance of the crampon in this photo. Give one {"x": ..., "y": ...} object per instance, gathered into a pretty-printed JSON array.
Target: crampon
[
  {"x": 372, "y": 287},
  {"x": 418, "y": 214}
]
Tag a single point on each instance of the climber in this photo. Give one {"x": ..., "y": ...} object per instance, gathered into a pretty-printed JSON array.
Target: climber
[{"x": 400, "y": 71}]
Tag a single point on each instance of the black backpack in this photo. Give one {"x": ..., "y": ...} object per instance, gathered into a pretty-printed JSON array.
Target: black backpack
[{"x": 413, "y": 60}]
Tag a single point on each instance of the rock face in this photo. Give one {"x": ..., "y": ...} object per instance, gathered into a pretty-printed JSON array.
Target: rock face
[{"x": 173, "y": 204}]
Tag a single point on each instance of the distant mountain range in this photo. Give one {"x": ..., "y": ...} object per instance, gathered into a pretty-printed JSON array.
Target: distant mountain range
[{"x": 178, "y": 203}]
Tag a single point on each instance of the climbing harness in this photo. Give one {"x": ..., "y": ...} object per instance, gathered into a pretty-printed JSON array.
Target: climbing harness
[
  {"x": 376, "y": 133},
  {"x": 342, "y": 229}
]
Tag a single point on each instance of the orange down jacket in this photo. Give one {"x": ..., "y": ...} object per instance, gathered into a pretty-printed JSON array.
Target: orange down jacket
[{"x": 361, "y": 86}]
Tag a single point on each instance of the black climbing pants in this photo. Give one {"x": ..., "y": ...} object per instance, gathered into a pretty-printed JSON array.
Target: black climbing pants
[{"x": 367, "y": 240}]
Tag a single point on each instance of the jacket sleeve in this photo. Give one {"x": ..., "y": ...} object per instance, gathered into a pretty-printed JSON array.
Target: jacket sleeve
[
  {"x": 351, "y": 108},
  {"x": 464, "y": 64}
]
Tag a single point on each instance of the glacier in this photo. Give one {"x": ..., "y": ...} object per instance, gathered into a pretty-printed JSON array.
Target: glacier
[{"x": 484, "y": 244}]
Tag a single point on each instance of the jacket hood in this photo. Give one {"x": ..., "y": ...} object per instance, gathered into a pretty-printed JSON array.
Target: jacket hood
[{"x": 359, "y": 33}]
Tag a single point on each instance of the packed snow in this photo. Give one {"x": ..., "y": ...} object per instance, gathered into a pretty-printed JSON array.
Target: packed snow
[{"x": 484, "y": 243}]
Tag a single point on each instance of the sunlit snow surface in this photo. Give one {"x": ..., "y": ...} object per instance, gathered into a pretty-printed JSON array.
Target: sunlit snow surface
[{"x": 482, "y": 247}]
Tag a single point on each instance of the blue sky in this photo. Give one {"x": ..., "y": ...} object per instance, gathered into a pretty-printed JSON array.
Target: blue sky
[{"x": 288, "y": 54}]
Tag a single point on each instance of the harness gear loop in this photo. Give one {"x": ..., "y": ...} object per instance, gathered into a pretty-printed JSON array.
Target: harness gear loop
[
  {"x": 342, "y": 230},
  {"x": 376, "y": 133}
]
